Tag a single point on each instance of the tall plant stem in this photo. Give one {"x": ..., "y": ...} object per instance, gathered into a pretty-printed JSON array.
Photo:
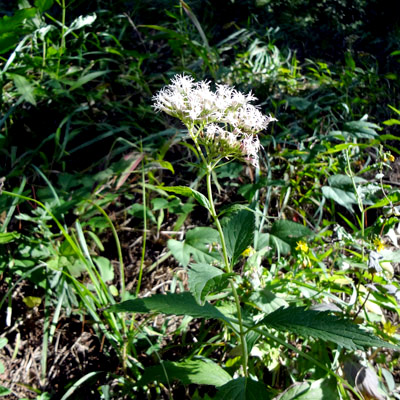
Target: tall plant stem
[{"x": 228, "y": 268}]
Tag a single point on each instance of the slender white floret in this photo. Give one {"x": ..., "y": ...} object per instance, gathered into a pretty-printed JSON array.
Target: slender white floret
[
  {"x": 227, "y": 120},
  {"x": 250, "y": 148}
]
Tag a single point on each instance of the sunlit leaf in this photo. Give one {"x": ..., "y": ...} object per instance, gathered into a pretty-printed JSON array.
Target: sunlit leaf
[
  {"x": 243, "y": 389},
  {"x": 200, "y": 372},
  {"x": 324, "y": 326},
  {"x": 199, "y": 243},
  {"x": 239, "y": 233},
  {"x": 171, "y": 304},
  {"x": 80, "y": 22},
  {"x": 204, "y": 278}
]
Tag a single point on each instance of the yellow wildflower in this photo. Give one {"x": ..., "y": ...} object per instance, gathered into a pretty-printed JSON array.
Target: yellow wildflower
[
  {"x": 389, "y": 329},
  {"x": 248, "y": 252},
  {"x": 379, "y": 244},
  {"x": 302, "y": 246},
  {"x": 391, "y": 158}
]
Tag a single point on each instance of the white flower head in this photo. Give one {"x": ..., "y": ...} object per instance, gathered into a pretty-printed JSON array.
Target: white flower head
[{"x": 227, "y": 120}]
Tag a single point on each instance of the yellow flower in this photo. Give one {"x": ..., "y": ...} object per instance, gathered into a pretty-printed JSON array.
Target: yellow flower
[
  {"x": 391, "y": 158},
  {"x": 389, "y": 329},
  {"x": 302, "y": 246},
  {"x": 248, "y": 252},
  {"x": 379, "y": 244}
]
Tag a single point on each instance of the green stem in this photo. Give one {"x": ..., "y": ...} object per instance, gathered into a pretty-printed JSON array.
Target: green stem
[
  {"x": 144, "y": 231},
  {"x": 229, "y": 269}
]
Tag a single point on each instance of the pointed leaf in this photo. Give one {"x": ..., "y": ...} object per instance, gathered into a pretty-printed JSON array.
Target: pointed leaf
[
  {"x": 86, "y": 78},
  {"x": 171, "y": 304},
  {"x": 239, "y": 233},
  {"x": 322, "y": 325},
  {"x": 362, "y": 129},
  {"x": 197, "y": 243},
  {"x": 200, "y": 372},
  {"x": 343, "y": 198},
  {"x": 204, "y": 278},
  {"x": 243, "y": 389},
  {"x": 188, "y": 192}
]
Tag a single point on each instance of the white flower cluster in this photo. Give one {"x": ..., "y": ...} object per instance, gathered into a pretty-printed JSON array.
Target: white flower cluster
[{"x": 222, "y": 116}]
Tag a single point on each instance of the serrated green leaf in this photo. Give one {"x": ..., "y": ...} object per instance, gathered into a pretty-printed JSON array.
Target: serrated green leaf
[
  {"x": 171, "y": 304},
  {"x": 243, "y": 389},
  {"x": 197, "y": 243},
  {"x": 200, "y": 372},
  {"x": 188, "y": 192},
  {"x": 7, "y": 237},
  {"x": 322, "y": 325},
  {"x": 204, "y": 278},
  {"x": 239, "y": 233}
]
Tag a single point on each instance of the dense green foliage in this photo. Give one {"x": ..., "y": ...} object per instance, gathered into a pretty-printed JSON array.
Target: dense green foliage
[{"x": 195, "y": 279}]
